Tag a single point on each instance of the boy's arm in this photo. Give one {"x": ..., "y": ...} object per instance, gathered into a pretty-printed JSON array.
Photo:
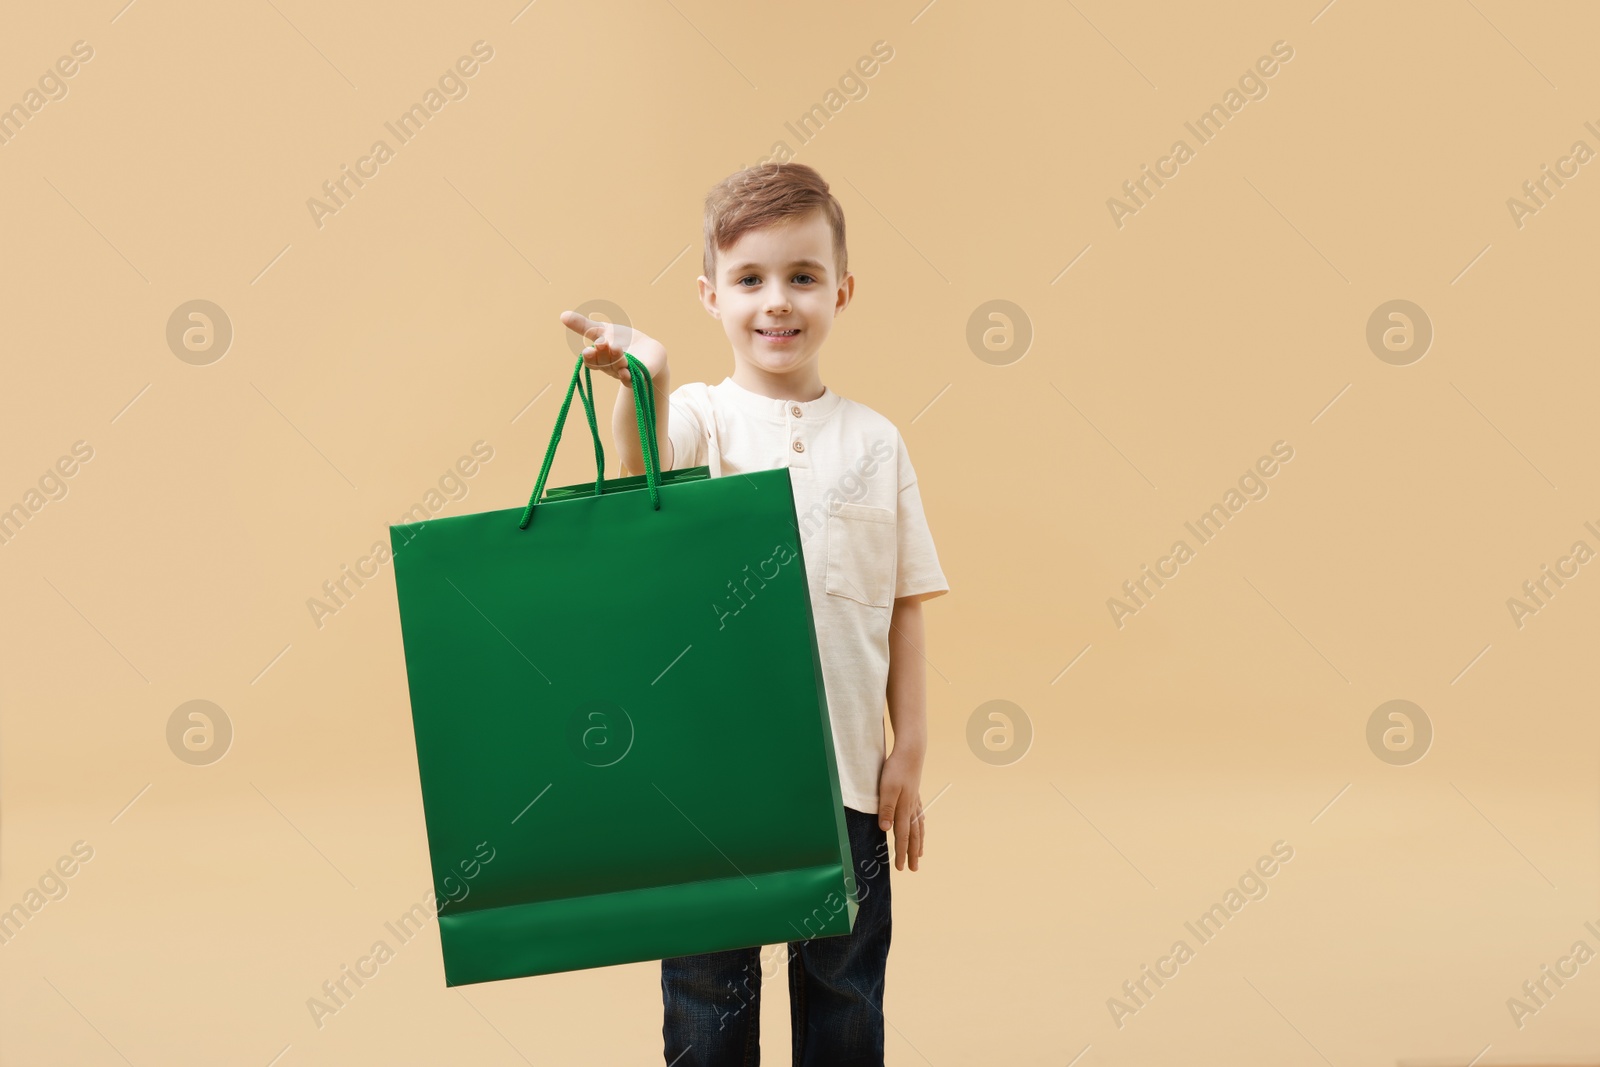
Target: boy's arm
[{"x": 899, "y": 786}]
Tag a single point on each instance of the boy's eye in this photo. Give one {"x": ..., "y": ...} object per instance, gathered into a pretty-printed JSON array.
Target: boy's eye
[{"x": 798, "y": 277}]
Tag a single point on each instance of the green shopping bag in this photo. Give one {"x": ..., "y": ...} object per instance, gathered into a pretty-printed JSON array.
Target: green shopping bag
[{"x": 622, "y": 731}]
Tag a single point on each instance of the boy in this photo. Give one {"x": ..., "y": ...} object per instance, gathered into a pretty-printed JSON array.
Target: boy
[{"x": 775, "y": 275}]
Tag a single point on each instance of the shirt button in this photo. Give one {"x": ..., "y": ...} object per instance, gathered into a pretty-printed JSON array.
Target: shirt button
[
  {"x": 799, "y": 446},
  {"x": 795, "y": 411}
]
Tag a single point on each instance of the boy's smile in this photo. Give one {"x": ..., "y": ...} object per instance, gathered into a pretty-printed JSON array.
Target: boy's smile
[{"x": 776, "y": 294}]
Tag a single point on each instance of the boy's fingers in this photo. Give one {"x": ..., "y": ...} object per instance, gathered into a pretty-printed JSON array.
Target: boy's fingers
[
  {"x": 595, "y": 353},
  {"x": 902, "y": 837},
  {"x": 888, "y": 818},
  {"x": 582, "y": 323},
  {"x": 577, "y": 323},
  {"x": 606, "y": 360},
  {"x": 608, "y": 343},
  {"x": 600, "y": 335}
]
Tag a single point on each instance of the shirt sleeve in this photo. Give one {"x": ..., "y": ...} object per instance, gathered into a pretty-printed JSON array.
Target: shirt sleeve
[
  {"x": 686, "y": 427},
  {"x": 917, "y": 571}
]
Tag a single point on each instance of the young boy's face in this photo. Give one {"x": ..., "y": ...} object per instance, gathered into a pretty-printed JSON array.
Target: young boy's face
[{"x": 776, "y": 294}]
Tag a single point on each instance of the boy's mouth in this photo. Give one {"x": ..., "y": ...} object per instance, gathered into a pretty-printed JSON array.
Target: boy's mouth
[{"x": 777, "y": 333}]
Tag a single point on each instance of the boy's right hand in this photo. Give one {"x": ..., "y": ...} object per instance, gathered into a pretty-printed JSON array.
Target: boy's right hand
[{"x": 607, "y": 341}]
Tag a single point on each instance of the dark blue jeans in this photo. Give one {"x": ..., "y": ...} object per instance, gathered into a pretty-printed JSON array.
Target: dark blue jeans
[{"x": 713, "y": 1001}]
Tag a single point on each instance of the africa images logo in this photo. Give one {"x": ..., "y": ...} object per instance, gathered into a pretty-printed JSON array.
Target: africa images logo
[{"x": 452, "y": 85}]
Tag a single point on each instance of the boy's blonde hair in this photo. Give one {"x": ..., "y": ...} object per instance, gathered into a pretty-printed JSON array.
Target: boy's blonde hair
[{"x": 763, "y": 195}]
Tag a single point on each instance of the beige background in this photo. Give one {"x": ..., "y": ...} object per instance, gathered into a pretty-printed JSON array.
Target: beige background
[{"x": 1229, "y": 313}]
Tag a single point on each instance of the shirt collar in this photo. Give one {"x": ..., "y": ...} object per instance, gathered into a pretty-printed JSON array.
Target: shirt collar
[{"x": 777, "y": 408}]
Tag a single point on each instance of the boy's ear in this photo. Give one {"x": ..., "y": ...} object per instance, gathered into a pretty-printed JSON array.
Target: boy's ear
[
  {"x": 708, "y": 296},
  {"x": 847, "y": 289}
]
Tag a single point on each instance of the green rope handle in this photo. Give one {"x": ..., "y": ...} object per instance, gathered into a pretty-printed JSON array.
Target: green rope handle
[
  {"x": 590, "y": 404},
  {"x": 555, "y": 439},
  {"x": 644, "y": 409}
]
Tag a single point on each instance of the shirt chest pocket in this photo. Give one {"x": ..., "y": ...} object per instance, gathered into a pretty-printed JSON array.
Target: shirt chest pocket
[{"x": 861, "y": 553}]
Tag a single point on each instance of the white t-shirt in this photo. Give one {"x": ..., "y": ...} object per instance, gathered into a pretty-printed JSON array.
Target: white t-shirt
[{"x": 863, "y": 536}]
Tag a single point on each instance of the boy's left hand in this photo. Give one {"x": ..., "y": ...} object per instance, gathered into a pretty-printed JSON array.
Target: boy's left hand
[{"x": 900, "y": 806}]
